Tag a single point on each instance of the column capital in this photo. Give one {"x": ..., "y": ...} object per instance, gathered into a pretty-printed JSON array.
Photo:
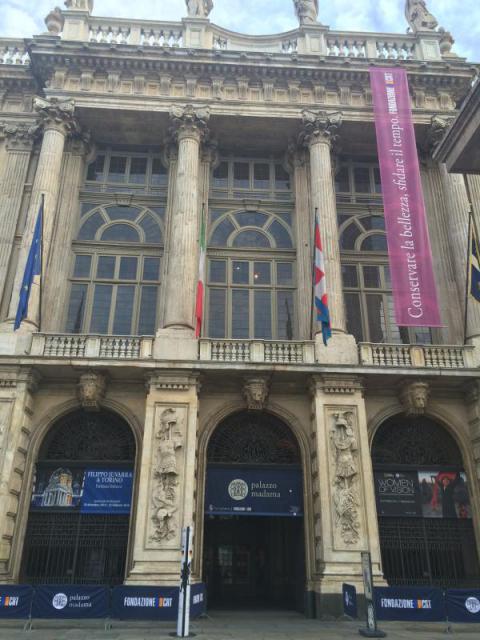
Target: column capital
[
  {"x": 189, "y": 122},
  {"x": 296, "y": 155},
  {"x": 209, "y": 152},
  {"x": 20, "y": 136},
  {"x": 80, "y": 144},
  {"x": 319, "y": 127},
  {"x": 57, "y": 115},
  {"x": 435, "y": 132}
]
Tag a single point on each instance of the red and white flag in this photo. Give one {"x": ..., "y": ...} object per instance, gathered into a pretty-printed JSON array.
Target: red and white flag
[{"x": 201, "y": 279}]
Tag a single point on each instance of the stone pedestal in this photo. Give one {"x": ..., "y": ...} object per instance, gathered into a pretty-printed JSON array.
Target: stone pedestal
[
  {"x": 344, "y": 498},
  {"x": 167, "y": 478}
]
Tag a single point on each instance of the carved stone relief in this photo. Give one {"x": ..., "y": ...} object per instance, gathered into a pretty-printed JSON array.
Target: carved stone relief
[
  {"x": 91, "y": 390},
  {"x": 166, "y": 472},
  {"x": 307, "y": 11},
  {"x": 345, "y": 481},
  {"x": 5, "y": 415},
  {"x": 255, "y": 392},
  {"x": 419, "y": 17},
  {"x": 414, "y": 397},
  {"x": 199, "y": 8}
]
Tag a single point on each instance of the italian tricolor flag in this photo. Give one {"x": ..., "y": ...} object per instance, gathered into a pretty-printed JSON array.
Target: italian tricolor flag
[{"x": 201, "y": 280}]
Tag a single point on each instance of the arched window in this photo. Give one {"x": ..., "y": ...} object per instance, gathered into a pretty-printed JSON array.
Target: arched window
[
  {"x": 251, "y": 276},
  {"x": 116, "y": 273}
]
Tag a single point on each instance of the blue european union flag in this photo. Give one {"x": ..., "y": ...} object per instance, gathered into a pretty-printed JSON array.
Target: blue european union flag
[
  {"x": 474, "y": 266},
  {"x": 32, "y": 268}
]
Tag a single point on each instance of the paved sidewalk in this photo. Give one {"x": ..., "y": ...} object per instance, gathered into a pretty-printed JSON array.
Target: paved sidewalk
[{"x": 224, "y": 625}]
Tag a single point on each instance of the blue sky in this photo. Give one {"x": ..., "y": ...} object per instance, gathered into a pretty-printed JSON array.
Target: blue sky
[{"x": 24, "y": 17}]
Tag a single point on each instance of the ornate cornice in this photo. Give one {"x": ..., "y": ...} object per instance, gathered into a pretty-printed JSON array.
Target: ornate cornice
[
  {"x": 342, "y": 385},
  {"x": 172, "y": 381}
]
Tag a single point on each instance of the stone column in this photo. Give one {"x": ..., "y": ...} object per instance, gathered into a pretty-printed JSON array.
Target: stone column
[
  {"x": 303, "y": 232},
  {"x": 58, "y": 123},
  {"x": 344, "y": 497},
  {"x": 167, "y": 477},
  {"x": 16, "y": 408},
  {"x": 19, "y": 145},
  {"x": 319, "y": 132},
  {"x": 56, "y": 286},
  {"x": 472, "y": 459}
]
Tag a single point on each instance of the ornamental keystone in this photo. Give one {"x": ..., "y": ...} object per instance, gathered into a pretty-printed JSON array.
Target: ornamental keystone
[
  {"x": 255, "y": 392},
  {"x": 91, "y": 390},
  {"x": 414, "y": 397}
]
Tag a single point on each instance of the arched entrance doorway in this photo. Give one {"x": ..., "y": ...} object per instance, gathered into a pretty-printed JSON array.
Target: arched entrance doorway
[
  {"x": 254, "y": 553},
  {"x": 78, "y": 523},
  {"x": 425, "y": 520}
]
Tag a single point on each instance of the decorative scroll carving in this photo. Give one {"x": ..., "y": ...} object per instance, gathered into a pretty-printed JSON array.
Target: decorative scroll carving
[
  {"x": 57, "y": 114},
  {"x": 345, "y": 482},
  {"x": 55, "y": 21},
  {"x": 199, "y": 8},
  {"x": 91, "y": 390},
  {"x": 79, "y": 5},
  {"x": 255, "y": 392},
  {"x": 320, "y": 125},
  {"x": 165, "y": 474},
  {"x": 414, "y": 397},
  {"x": 307, "y": 11},
  {"x": 419, "y": 17},
  {"x": 189, "y": 121}
]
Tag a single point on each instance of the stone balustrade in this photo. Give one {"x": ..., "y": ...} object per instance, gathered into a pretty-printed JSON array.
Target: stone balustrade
[
  {"x": 91, "y": 346},
  {"x": 13, "y": 52},
  {"x": 419, "y": 356},
  {"x": 272, "y": 352},
  {"x": 312, "y": 40}
]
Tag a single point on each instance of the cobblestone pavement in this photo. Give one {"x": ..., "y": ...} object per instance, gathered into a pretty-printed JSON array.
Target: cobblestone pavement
[{"x": 275, "y": 625}]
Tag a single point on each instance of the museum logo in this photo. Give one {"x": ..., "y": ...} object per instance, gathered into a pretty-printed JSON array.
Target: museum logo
[
  {"x": 238, "y": 489},
  {"x": 472, "y": 605}
]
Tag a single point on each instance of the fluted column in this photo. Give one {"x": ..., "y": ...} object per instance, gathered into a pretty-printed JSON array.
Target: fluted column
[
  {"x": 189, "y": 128},
  {"x": 19, "y": 144},
  {"x": 57, "y": 119},
  {"x": 319, "y": 130}
]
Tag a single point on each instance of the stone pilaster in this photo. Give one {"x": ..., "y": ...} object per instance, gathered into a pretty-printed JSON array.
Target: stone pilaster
[
  {"x": 16, "y": 407},
  {"x": 56, "y": 288},
  {"x": 344, "y": 498},
  {"x": 472, "y": 456},
  {"x": 319, "y": 131},
  {"x": 58, "y": 122},
  {"x": 167, "y": 477},
  {"x": 303, "y": 232}
]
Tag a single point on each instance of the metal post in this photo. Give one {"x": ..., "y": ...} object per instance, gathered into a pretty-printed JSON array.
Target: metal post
[
  {"x": 183, "y": 620},
  {"x": 371, "y": 630}
]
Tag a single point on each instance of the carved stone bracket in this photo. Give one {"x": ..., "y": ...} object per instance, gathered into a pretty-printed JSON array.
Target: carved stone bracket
[
  {"x": 189, "y": 121},
  {"x": 414, "y": 397},
  {"x": 319, "y": 126},
  {"x": 255, "y": 392},
  {"x": 91, "y": 390},
  {"x": 57, "y": 114},
  {"x": 20, "y": 137},
  {"x": 345, "y": 481}
]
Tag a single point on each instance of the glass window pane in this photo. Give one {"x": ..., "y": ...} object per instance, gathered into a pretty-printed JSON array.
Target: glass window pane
[
  {"x": 138, "y": 170},
  {"x": 371, "y": 277},
  {"x": 285, "y": 315},
  {"x": 159, "y": 173},
  {"x": 349, "y": 275},
  {"x": 220, "y": 175},
  {"x": 76, "y": 309},
  {"x": 421, "y": 335},
  {"x": 263, "y": 315},
  {"x": 118, "y": 167},
  {"x": 349, "y": 236},
  {"x": 120, "y": 233},
  {"x": 151, "y": 269},
  {"x": 240, "y": 272},
  {"x": 106, "y": 267},
  {"x": 373, "y": 222},
  {"x": 283, "y": 239},
  {"x": 148, "y": 311},
  {"x": 221, "y": 234},
  {"x": 151, "y": 229},
  {"x": 122, "y": 323},
  {"x": 393, "y": 330},
  {"x": 261, "y": 176},
  {"x": 362, "y": 179},
  {"x": 354, "y": 316},
  {"x": 262, "y": 273},
  {"x": 216, "y": 313},
  {"x": 375, "y": 242},
  {"x": 122, "y": 213},
  {"x": 101, "y": 308},
  {"x": 251, "y": 238},
  {"x": 128, "y": 268},
  {"x": 386, "y": 275},
  {"x": 377, "y": 180},
  {"x": 282, "y": 178},
  {"x": 96, "y": 169},
  {"x": 241, "y": 175},
  {"x": 90, "y": 227},
  {"x": 218, "y": 271},
  {"x": 241, "y": 307},
  {"x": 285, "y": 273},
  {"x": 251, "y": 219},
  {"x": 342, "y": 180},
  {"x": 376, "y": 318},
  {"x": 82, "y": 266}
]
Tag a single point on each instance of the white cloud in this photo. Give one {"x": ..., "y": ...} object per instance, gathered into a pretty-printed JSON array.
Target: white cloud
[{"x": 23, "y": 18}]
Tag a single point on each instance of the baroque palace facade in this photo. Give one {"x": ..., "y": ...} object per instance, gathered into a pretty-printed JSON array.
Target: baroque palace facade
[{"x": 134, "y": 130}]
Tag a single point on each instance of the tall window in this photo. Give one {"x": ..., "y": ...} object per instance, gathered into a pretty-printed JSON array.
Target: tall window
[
  {"x": 251, "y": 274},
  {"x": 365, "y": 266},
  {"x": 125, "y": 170},
  {"x": 115, "y": 279}
]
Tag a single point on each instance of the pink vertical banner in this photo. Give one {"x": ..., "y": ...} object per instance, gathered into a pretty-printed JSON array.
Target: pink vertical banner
[{"x": 413, "y": 282}]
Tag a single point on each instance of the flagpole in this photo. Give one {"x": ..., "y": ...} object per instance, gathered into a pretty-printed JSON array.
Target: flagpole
[
  {"x": 467, "y": 279},
  {"x": 40, "y": 296}
]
